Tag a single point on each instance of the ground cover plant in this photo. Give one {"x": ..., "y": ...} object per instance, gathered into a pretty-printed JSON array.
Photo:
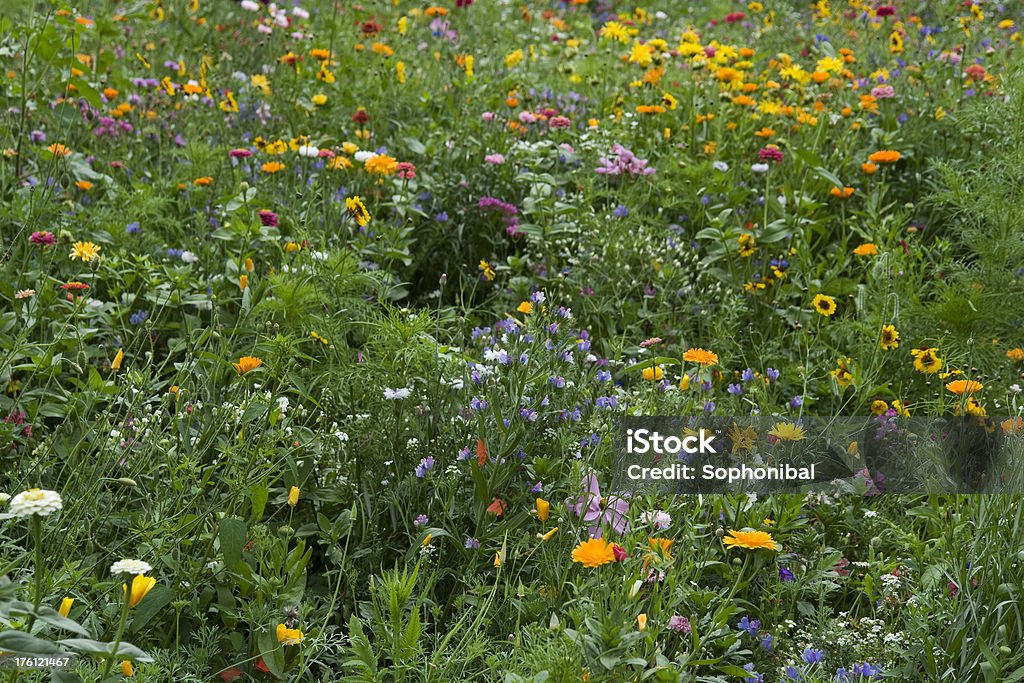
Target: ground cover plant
[{"x": 316, "y": 318}]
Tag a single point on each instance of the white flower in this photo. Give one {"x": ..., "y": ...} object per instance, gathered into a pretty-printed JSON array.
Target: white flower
[
  {"x": 309, "y": 151},
  {"x": 4, "y": 498},
  {"x": 249, "y": 5},
  {"x": 1015, "y": 388},
  {"x": 396, "y": 394},
  {"x": 132, "y": 567},
  {"x": 35, "y": 502},
  {"x": 659, "y": 519},
  {"x": 300, "y": 13},
  {"x": 189, "y": 257},
  {"x": 362, "y": 155},
  {"x": 720, "y": 166},
  {"x": 759, "y": 168},
  {"x": 282, "y": 404}
]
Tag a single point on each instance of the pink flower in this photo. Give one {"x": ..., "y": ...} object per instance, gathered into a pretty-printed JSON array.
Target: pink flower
[
  {"x": 239, "y": 154},
  {"x": 527, "y": 117},
  {"x": 770, "y": 154},
  {"x": 488, "y": 116},
  {"x": 593, "y": 508},
  {"x": 619, "y": 552},
  {"x": 559, "y": 122},
  {"x": 883, "y": 92},
  {"x": 44, "y": 237},
  {"x": 495, "y": 159}
]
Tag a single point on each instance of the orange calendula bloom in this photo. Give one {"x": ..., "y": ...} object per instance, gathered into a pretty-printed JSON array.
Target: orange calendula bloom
[
  {"x": 701, "y": 357},
  {"x": 83, "y": 185},
  {"x": 593, "y": 553},
  {"x": 381, "y": 164},
  {"x": 964, "y": 386},
  {"x": 247, "y": 364},
  {"x": 1015, "y": 354},
  {"x": 885, "y": 156},
  {"x": 58, "y": 150},
  {"x": 751, "y": 540},
  {"x": 272, "y": 167},
  {"x": 868, "y": 168},
  {"x": 525, "y": 307},
  {"x": 203, "y": 182},
  {"x": 866, "y": 249}
]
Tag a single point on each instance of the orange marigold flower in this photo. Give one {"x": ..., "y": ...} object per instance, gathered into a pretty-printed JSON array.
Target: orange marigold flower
[
  {"x": 203, "y": 182},
  {"x": 381, "y": 164},
  {"x": 83, "y": 185},
  {"x": 964, "y": 386},
  {"x": 751, "y": 540},
  {"x": 701, "y": 357},
  {"x": 247, "y": 364},
  {"x": 59, "y": 150},
  {"x": 866, "y": 249},
  {"x": 868, "y": 168},
  {"x": 593, "y": 553},
  {"x": 272, "y": 167},
  {"x": 885, "y": 156},
  {"x": 1015, "y": 354}
]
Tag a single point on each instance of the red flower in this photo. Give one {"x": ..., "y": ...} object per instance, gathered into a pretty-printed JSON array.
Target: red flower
[
  {"x": 497, "y": 508},
  {"x": 360, "y": 116},
  {"x": 481, "y": 452},
  {"x": 231, "y": 674},
  {"x": 262, "y": 666},
  {"x": 619, "y": 552}
]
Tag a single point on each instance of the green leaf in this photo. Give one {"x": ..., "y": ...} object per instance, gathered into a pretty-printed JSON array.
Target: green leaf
[
  {"x": 232, "y": 540},
  {"x": 157, "y": 599},
  {"x": 21, "y": 643},
  {"x": 258, "y": 496},
  {"x": 123, "y": 651},
  {"x": 49, "y": 616}
]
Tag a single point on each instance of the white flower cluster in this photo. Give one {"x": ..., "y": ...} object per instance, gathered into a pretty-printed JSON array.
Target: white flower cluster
[{"x": 132, "y": 567}]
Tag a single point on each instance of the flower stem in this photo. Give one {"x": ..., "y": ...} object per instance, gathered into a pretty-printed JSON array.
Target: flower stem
[{"x": 117, "y": 639}]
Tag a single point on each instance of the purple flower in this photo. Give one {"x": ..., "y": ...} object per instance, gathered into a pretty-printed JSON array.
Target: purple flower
[
  {"x": 592, "y": 507},
  {"x": 621, "y": 211},
  {"x": 679, "y": 624},
  {"x": 751, "y": 627},
  {"x": 767, "y": 643},
  {"x": 748, "y": 375},
  {"x": 793, "y": 674},
  {"x": 426, "y": 465},
  {"x": 772, "y": 374},
  {"x": 796, "y": 402},
  {"x": 421, "y": 520},
  {"x": 735, "y": 389},
  {"x": 471, "y": 543},
  {"x": 441, "y": 217},
  {"x": 785, "y": 575},
  {"x": 754, "y": 677},
  {"x": 812, "y": 656}
]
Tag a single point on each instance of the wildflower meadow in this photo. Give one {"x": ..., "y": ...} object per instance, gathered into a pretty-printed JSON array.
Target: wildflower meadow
[{"x": 320, "y": 320}]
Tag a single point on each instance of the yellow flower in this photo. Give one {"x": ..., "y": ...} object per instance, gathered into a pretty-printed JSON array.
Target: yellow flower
[
  {"x": 58, "y": 150},
  {"x": 525, "y": 307},
  {"x": 427, "y": 539},
  {"x": 487, "y": 270},
  {"x": 381, "y": 164},
  {"x": 357, "y": 210},
  {"x": 787, "y": 431},
  {"x": 293, "y": 496},
  {"x": 751, "y": 540},
  {"x": 260, "y": 81},
  {"x": 272, "y": 167},
  {"x": 65, "y": 606},
  {"x": 866, "y": 249},
  {"x": 879, "y": 407},
  {"x": 890, "y": 338},
  {"x": 247, "y": 364},
  {"x": 118, "y": 357},
  {"x": 126, "y": 669},
  {"x": 547, "y": 537},
  {"x": 593, "y": 553},
  {"x": 1016, "y": 354},
  {"x": 684, "y": 382},
  {"x": 641, "y": 622},
  {"x": 141, "y": 585},
  {"x": 824, "y": 305},
  {"x": 926, "y": 360},
  {"x": 701, "y": 357},
  {"x": 289, "y": 636},
  {"x": 319, "y": 99},
  {"x": 543, "y": 509},
  {"x": 84, "y": 251},
  {"x": 243, "y": 281},
  {"x": 742, "y": 439},
  {"x": 653, "y": 374}
]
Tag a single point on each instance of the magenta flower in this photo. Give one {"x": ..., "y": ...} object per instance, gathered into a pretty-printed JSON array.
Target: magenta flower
[
  {"x": 44, "y": 237},
  {"x": 770, "y": 154},
  {"x": 597, "y": 510}
]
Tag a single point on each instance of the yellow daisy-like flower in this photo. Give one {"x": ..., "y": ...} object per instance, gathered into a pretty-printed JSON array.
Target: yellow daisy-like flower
[
  {"x": 890, "y": 338},
  {"x": 289, "y": 636},
  {"x": 487, "y": 270},
  {"x": 824, "y": 305},
  {"x": 787, "y": 431},
  {"x": 751, "y": 540},
  {"x": 879, "y": 407},
  {"x": 525, "y": 307},
  {"x": 701, "y": 357},
  {"x": 926, "y": 360},
  {"x": 593, "y": 553},
  {"x": 742, "y": 439},
  {"x": 84, "y": 251},
  {"x": 1016, "y": 354},
  {"x": 381, "y": 164},
  {"x": 357, "y": 210}
]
